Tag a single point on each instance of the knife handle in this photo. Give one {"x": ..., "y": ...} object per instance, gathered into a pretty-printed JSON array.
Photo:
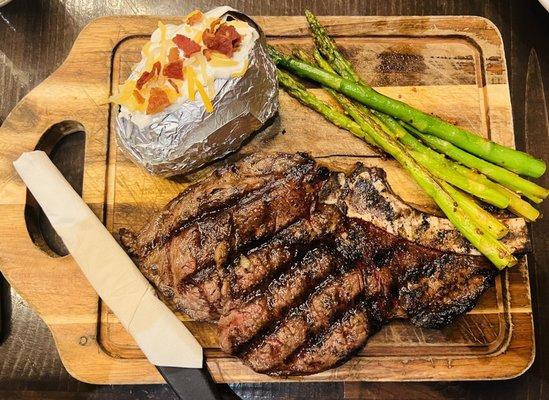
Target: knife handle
[{"x": 195, "y": 383}]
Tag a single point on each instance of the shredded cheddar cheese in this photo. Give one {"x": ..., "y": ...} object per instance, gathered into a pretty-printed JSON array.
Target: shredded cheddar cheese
[
  {"x": 208, "y": 48},
  {"x": 241, "y": 72},
  {"x": 206, "y": 78},
  {"x": 125, "y": 92},
  {"x": 198, "y": 37},
  {"x": 207, "y": 102},
  {"x": 191, "y": 79},
  {"x": 218, "y": 61},
  {"x": 171, "y": 93}
]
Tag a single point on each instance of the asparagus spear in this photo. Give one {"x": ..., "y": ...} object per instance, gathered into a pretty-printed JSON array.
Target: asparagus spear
[
  {"x": 498, "y": 174},
  {"x": 326, "y": 45},
  {"x": 509, "y": 158},
  {"x": 516, "y": 204},
  {"x": 488, "y": 245},
  {"x": 307, "y": 98},
  {"x": 429, "y": 159},
  {"x": 521, "y": 208},
  {"x": 321, "y": 62},
  {"x": 482, "y": 217},
  {"x": 433, "y": 163},
  {"x": 301, "y": 55}
]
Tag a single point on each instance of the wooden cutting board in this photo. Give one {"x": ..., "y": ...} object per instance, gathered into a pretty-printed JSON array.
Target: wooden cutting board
[{"x": 454, "y": 66}]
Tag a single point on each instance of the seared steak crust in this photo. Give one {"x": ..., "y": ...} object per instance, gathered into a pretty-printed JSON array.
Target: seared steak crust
[
  {"x": 365, "y": 194},
  {"x": 346, "y": 336},
  {"x": 238, "y": 207},
  {"x": 300, "y": 267},
  {"x": 226, "y": 186},
  {"x": 367, "y": 278},
  {"x": 406, "y": 280}
]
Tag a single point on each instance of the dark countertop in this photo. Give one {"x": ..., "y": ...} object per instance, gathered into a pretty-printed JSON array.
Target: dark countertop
[{"x": 35, "y": 37}]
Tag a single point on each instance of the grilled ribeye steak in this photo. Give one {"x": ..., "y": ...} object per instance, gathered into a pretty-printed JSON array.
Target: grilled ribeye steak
[{"x": 300, "y": 266}]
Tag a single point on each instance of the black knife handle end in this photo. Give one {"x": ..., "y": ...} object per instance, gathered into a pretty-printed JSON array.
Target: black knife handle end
[{"x": 195, "y": 383}]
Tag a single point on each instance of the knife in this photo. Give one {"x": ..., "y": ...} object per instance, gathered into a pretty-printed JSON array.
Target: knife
[{"x": 164, "y": 340}]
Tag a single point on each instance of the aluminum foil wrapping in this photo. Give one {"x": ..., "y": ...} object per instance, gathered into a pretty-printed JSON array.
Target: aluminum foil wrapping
[{"x": 188, "y": 136}]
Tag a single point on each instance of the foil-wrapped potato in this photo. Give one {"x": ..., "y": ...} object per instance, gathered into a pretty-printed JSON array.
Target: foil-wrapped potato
[{"x": 200, "y": 90}]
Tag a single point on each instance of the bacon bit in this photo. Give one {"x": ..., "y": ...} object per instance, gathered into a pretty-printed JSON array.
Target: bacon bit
[
  {"x": 156, "y": 68},
  {"x": 174, "y": 70},
  {"x": 194, "y": 17},
  {"x": 173, "y": 85},
  {"x": 158, "y": 100},
  {"x": 207, "y": 53},
  {"x": 147, "y": 76},
  {"x": 144, "y": 78},
  {"x": 208, "y": 37},
  {"x": 188, "y": 46},
  {"x": 173, "y": 55},
  {"x": 140, "y": 99},
  {"x": 224, "y": 40}
]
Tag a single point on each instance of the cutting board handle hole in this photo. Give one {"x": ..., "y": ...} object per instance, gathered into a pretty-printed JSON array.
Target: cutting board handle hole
[{"x": 64, "y": 142}]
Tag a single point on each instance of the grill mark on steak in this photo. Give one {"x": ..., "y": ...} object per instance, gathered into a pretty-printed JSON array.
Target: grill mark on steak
[
  {"x": 243, "y": 322},
  {"x": 331, "y": 297},
  {"x": 252, "y": 268},
  {"x": 200, "y": 297},
  {"x": 224, "y": 188},
  {"x": 345, "y": 336}
]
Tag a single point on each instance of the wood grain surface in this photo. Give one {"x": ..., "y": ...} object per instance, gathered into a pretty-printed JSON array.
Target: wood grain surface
[{"x": 22, "y": 346}]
